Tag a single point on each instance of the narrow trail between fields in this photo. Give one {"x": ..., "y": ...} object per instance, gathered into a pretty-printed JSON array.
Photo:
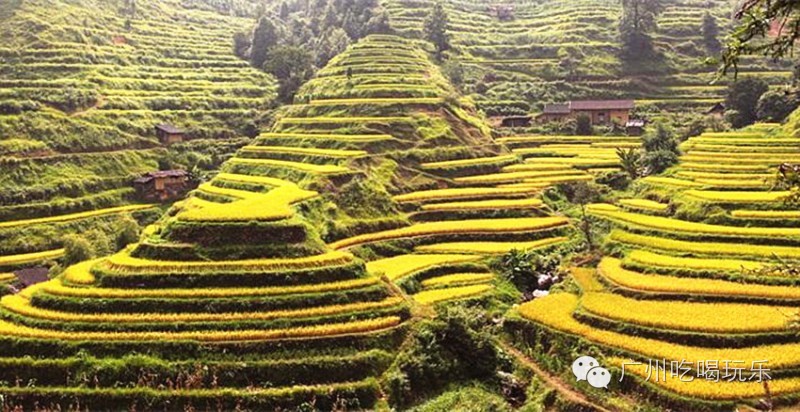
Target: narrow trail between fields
[{"x": 553, "y": 381}]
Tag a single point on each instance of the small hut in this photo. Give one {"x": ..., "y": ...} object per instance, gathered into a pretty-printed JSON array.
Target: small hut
[
  {"x": 168, "y": 134},
  {"x": 162, "y": 186}
]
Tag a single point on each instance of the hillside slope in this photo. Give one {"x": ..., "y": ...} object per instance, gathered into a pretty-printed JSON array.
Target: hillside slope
[
  {"x": 82, "y": 85},
  {"x": 556, "y": 50}
]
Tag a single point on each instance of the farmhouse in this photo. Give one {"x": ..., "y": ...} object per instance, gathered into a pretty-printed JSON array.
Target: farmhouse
[
  {"x": 162, "y": 185},
  {"x": 601, "y": 112},
  {"x": 168, "y": 134}
]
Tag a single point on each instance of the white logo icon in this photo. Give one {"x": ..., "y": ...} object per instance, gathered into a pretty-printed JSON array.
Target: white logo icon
[{"x": 586, "y": 368}]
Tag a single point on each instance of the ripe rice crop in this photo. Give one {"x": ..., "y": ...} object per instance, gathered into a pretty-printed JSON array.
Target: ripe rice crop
[
  {"x": 22, "y": 306},
  {"x": 689, "y": 316},
  {"x": 478, "y": 226},
  {"x": 80, "y": 273},
  {"x": 250, "y": 207},
  {"x": 488, "y": 248},
  {"x": 305, "y": 151},
  {"x": 707, "y": 248},
  {"x": 766, "y": 214},
  {"x": 657, "y": 260},
  {"x": 332, "y": 329},
  {"x": 304, "y": 167},
  {"x": 428, "y": 297},
  {"x": 470, "y": 162},
  {"x": 555, "y": 311},
  {"x": 514, "y": 176},
  {"x": 55, "y": 287},
  {"x": 345, "y": 120},
  {"x": 7, "y": 277},
  {"x": 122, "y": 263},
  {"x": 502, "y": 204},
  {"x": 737, "y": 197},
  {"x": 460, "y": 193},
  {"x": 715, "y": 175},
  {"x": 537, "y": 167},
  {"x": 410, "y": 100},
  {"x": 73, "y": 216},
  {"x": 586, "y": 279},
  {"x": 736, "y": 167},
  {"x": 260, "y": 180},
  {"x": 398, "y": 267},
  {"x": 680, "y": 226},
  {"x": 669, "y": 181},
  {"x": 644, "y": 204},
  {"x": 457, "y": 279},
  {"x": 357, "y": 138},
  {"x": 570, "y": 138},
  {"x": 26, "y": 258},
  {"x": 613, "y": 271}
]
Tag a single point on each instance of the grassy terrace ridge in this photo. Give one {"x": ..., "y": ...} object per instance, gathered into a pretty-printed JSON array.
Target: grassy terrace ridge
[
  {"x": 714, "y": 273},
  {"x": 29, "y": 258},
  {"x": 73, "y": 216},
  {"x": 83, "y": 85},
  {"x": 526, "y": 56},
  {"x": 479, "y": 226}
]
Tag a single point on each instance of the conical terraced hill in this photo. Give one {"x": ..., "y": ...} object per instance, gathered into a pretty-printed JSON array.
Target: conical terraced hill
[
  {"x": 692, "y": 277},
  {"x": 244, "y": 284}
]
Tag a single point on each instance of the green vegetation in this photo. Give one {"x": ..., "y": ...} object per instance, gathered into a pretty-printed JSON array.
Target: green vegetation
[{"x": 374, "y": 243}]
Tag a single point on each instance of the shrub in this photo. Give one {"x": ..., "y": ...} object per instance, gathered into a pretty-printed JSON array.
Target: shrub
[
  {"x": 583, "y": 126},
  {"x": 77, "y": 249},
  {"x": 774, "y": 106},
  {"x": 661, "y": 149}
]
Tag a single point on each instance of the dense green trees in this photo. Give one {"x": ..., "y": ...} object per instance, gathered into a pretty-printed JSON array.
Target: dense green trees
[
  {"x": 775, "y": 105},
  {"x": 742, "y": 101},
  {"x": 265, "y": 37},
  {"x": 312, "y": 31},
  {"x": 635, "y": 27},
  {"x": 660, "y": 149},
  {"x": 435, "y": 28},
  {"x": 757, "y": 19}
]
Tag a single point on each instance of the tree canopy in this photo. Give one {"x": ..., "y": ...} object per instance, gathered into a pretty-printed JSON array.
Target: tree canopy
[
  {"x": 766, "y": 27},
  {"x": 637, "y": 22},
  {"x": 435, "y": 28}
]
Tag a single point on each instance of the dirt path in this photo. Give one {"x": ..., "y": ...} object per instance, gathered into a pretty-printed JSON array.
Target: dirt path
[{"x": 553, "y": 381}]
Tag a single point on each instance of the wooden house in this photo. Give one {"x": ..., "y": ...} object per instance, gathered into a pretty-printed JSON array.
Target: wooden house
[
  {"x": 162, "y": 186},
  {"x": 168, "y": 134},
  {"x": 601, "y": 112}
]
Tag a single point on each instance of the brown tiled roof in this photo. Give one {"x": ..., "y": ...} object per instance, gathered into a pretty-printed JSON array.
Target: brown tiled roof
[
  {"x": 168, "y": 128},
  {"x": 32, "y": 276},
  {"x": 161, "y": 173},
  {"x": 601, "y": 105},
  {"x": 556, "y": 108}
]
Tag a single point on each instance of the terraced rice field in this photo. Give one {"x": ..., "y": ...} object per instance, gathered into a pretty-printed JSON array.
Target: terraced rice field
[
  {"x": 82, "y": 87},
  {"x": 509, "y": 62},
  {"x": 688, "y": 289}
]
